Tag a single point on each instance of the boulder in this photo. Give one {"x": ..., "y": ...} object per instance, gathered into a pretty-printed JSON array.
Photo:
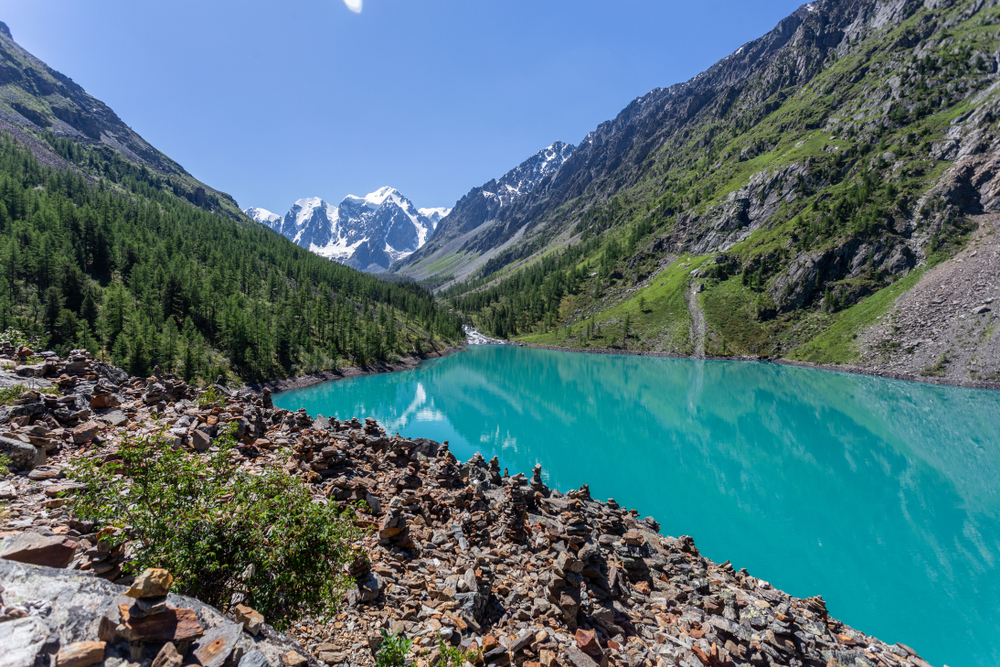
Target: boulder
[
  {"x": 81, "y": 602},
  {"x": 46, "y": 550},
  {"x": 85, "y": 432},
  {"x": 27, "y": 642},
  {"x": 22, "y": 455}
]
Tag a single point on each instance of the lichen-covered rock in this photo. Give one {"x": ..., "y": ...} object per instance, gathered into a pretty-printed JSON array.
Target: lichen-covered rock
[{"x": 76, "y": 605}]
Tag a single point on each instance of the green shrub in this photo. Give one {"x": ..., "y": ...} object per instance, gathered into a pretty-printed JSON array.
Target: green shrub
[
  {"x": 210, "y": 396},
  {"x": 393, "y": 651},
  {"x": 225, "y": 535},
  {"x": 4, "y": 465},
  {"x": 10, "y": 394},
  {"x": 454, "y": 656}
]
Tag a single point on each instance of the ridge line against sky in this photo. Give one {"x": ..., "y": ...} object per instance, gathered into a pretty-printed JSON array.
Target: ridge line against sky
[{"x": 272, "y": 103}]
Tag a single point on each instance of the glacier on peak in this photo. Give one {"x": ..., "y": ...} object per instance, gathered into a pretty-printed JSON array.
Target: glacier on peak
[{"x": 367, "y": 233}]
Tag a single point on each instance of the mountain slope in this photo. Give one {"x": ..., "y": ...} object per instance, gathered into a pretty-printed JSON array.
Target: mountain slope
[
  {"x": 35, "y": 99},
  {"x": 104, "y": 245},
  {"x": 469, "y": 224},
  {"x": 792, "y": 181},
  {"x": 368, "y": 233}
]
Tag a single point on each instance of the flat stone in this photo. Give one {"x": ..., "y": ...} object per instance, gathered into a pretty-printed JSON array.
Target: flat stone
[
  {"x": 34, "y": 549},
  {"x": 7, "y": 492},
  {"x": 81, "y": 654},
  {"x": 42, "y": 473},
  {"x": 578, "y": 658},
  {"x": 293, "y": 659},
  {"x": 152, "y": 583},
  {"x": 115, "y": 419},
  {"x": 524, "y": 640},
  {"x": 173, "y": 625},
  {"x": 216, "y": 647},
  {"x": 498, "y": 656}
]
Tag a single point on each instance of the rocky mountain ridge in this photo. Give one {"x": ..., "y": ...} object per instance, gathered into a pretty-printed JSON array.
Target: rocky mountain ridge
[
  {"x": 40, "y": 106},
  {"x": 368, "y": 233},
  {"x": 787, "y": 185},
  {"x": 478, "y": 210}
]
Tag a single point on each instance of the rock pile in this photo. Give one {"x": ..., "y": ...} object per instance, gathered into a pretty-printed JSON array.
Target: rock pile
[
  {"x": 457, "y": 552},
  {"x": 64, "y": 619}
]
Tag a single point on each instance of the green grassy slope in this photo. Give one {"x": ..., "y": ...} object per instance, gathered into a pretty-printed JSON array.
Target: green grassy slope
[{"x": 808, "y": 193}]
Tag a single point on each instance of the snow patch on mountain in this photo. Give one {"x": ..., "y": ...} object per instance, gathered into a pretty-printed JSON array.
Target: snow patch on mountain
[{"x": 263, "y": 216}]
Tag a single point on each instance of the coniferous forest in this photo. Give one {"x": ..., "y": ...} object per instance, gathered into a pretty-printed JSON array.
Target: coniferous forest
[{"x": 106, "y": 256}]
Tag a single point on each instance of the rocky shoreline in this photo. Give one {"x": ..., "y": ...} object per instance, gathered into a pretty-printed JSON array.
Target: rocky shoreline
[
  {"x": 310, "y": 379},
  {"x": 498, "y": 564}
]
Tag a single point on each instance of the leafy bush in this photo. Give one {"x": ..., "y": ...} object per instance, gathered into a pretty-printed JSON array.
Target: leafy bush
[
  {"x": 210, "y": 396},
  {"x": 226, "y": 535},
  {"x": 4, "y": 465},
  {"x": 454, "y": 656},
  {"x": 393, "y": 651}
]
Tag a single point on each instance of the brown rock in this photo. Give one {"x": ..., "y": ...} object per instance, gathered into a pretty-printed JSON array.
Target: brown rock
[
  {"x": 152, "y": 583},
  {"x": 35, "y": 549},
  {"x": 633, "y": 538},
  {"x": 85, "y": 432},
  {"x": 80, "y": 654},
  {"x": 587, "y": 641},
  {"x": 293, "y": 659},
  {"x": 251, "y": 619},
  {"x": 173, "y": 625},
  {"x": 104, "y": 401},
  {"x": 168, "y": 657}
]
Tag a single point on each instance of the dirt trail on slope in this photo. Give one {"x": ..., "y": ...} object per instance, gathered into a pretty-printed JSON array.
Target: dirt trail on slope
[
  {"x": 946, "y": 326},
  {"x": 699, "y": 328}
]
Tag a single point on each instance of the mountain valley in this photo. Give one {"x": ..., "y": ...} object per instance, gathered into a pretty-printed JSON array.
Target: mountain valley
[{"x": 796, "y": 188}]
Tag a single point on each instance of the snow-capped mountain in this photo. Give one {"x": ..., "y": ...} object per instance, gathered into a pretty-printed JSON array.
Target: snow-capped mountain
[{"x": 368, "y": 233}]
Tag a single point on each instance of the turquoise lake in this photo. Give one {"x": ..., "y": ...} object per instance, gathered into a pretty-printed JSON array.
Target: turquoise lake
[{"x": 882, "y": 496}]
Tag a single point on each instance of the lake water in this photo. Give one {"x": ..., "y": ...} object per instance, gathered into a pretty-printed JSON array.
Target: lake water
[{"x": 882, "y": 496}]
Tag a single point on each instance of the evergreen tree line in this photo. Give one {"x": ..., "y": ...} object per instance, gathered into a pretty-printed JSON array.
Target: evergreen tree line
[
  {"x": 120, "y": 264},
  {"x": 533, "y": 295}
]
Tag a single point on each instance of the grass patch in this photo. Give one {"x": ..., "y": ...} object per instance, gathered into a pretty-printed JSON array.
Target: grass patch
[
  {"x": 657, "y": 314},
  {"x": 729, "y": 313},
  {"x": 836, "y": 344}
]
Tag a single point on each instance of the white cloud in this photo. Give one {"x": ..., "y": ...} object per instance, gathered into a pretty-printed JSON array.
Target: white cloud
[{"x": 354, "y": 5}]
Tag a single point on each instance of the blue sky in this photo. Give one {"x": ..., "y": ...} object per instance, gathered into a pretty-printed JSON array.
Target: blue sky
[{"x": 274, "y": 101}]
